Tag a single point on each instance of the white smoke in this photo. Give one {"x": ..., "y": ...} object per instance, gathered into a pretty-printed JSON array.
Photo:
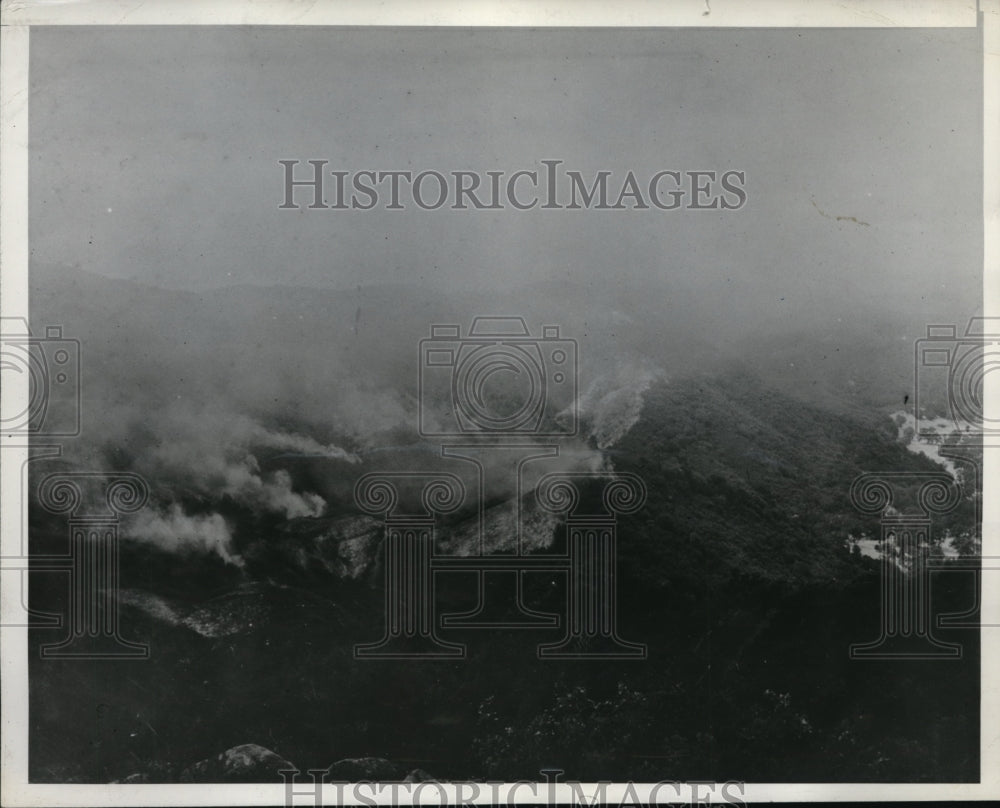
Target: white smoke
[
  {"x": 918, "y": 443},
  {"x": 270, "y": 493},
  {"x": 207, "y": 456},
  {"x": 213, "y": 455},
  {"x": 218, "y": 421},
  {"x": 291, "y": 442},
  {"x": 613, "y": 402},
  {"x": 175, "y": 531}
]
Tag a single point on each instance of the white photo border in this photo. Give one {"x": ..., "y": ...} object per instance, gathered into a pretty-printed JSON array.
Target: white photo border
[{"x": 16, "y": 19}]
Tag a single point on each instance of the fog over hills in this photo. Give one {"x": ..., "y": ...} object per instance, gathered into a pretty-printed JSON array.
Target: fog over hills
[{"x": 272, "y": 401}]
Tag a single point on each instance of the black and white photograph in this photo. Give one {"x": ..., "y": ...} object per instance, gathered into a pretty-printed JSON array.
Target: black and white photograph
[{"x": 416, "y": 411}]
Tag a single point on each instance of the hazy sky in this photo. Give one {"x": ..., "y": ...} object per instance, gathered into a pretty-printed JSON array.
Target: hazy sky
[{"x": 154, "y": 156}]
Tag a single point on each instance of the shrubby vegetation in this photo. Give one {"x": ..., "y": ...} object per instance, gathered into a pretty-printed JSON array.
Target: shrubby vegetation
[{"x": 735, "y": 574}]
